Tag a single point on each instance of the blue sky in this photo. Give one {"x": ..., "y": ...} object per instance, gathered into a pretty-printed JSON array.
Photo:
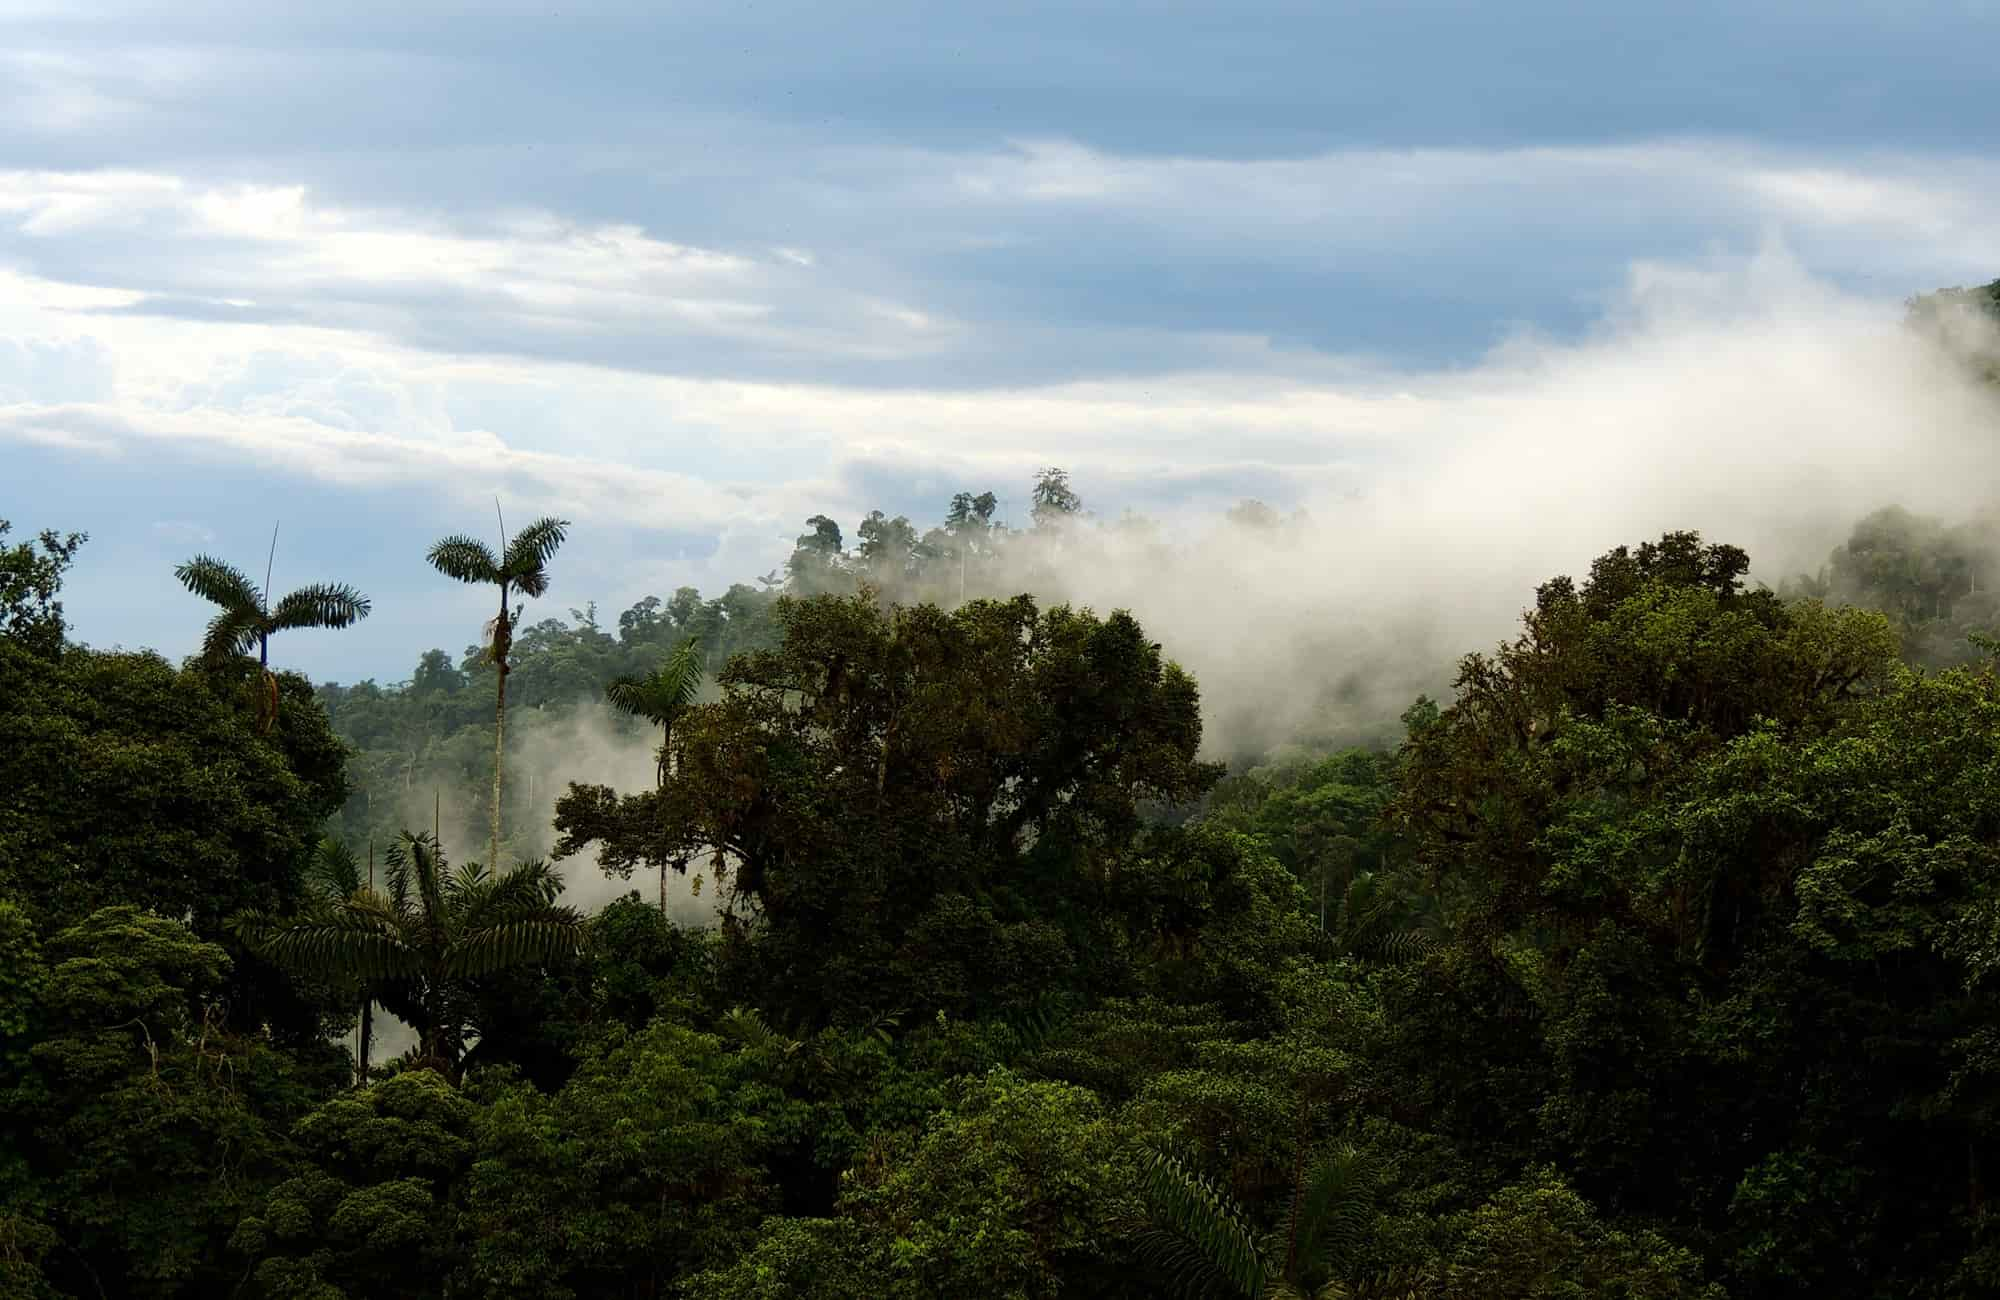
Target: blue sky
[{"x": 691, "y": 277}]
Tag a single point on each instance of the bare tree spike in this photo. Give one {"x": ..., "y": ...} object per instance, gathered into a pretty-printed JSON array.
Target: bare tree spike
[{"x": 270, "y": 560}]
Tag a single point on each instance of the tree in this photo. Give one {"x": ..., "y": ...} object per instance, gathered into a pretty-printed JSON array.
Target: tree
[
  {"x": 30, "y": 613},
  {"x": 1015, "y": 1187},
  {"x": 248, "y": 618},
  {"x": 1055, "y": 501},
  {"x": 815, "y": 562},
  {"x": 650, "y": 1161},
  {"x": 1205, "y": 1243},
  {"x": 130, "y": 781},
  {"x": 521, "y": 566},
  {"x": 420, "y": 940},
  {"x": 893, "y": 792},
  {"x": 663, "y": 697},
  {"x": 890, "y": 555},
  {"x": 368, "y": 1210},
  {"x": 138, "y": 1127}
]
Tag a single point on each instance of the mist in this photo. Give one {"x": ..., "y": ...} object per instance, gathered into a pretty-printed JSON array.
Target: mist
[{"x": 1752, "y": 404}]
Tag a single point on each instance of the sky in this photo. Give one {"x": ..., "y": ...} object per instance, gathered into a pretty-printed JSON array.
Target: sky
[{"x": 689, "y": 274}]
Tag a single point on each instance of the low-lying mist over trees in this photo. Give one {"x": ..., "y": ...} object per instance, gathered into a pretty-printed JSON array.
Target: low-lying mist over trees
[{"x": 1338, "y": 899}]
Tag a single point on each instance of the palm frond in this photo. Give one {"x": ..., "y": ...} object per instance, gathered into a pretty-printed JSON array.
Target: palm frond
[
  {"x": 680, "y": 677},
  {"x": 1186, "y": 1265},
  {"x": 427, "y": 866},
  {"x": 463, "y": 887},
  {"x": 333, "y": 871},
  {"x": 634, "y": 695},
  {"x": 233, "y": 632},
  {"x": 224, "y": 584},
  {"x": 1399, "y": 946},
  {"x": 552, "y": 936},
  {"x": 748, "y": 1027},
  {"x": 359, "y": 939},
  {"x": 1334, "y": 1208},
  {"x": 665, "y": 693},
  {"x": 415, "y": 862},
  {"x": 465, "y": 558},
  {"x": 323, "y": 604},
  {"x": 534, "y": 883},
  {"x": 1216, "y": 1238},
  {"x": 529, "y": 553},
  {"x": 1036, "y": 1023}
]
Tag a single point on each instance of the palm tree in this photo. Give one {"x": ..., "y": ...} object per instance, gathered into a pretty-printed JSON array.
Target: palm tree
[
  {"x": 521, "y": 566},
  {"x": 332, "y": 877},
  {"x": 248, "y": 618},
  {"x": 662, "y": 697},
  {"x": 415, "y": 945},
  {"x": 1204, "y": 1239}
]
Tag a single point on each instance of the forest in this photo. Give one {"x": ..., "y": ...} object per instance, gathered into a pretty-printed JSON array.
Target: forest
[{"x": 934, "y": 952}]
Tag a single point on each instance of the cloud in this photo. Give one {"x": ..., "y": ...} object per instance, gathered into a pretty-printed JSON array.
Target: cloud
[{"x": 898, "y": 323}]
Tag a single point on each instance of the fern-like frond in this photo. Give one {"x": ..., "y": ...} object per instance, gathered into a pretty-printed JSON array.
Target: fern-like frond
[
  {"x": 1400, "y": 946},
  {"x": 1189, "y": 1271},
  {"x": 323, "y": 604},
  {"x": 554, "y": 935},
  {"x": 1194, "y": 1210},
  {"x": 415, "y": 866},
  {"x": 664, "y": 694},
  {"x": 479, "y": 899},
  {"x": 353, "y": 941},
  {"x": 333, "y": 872},
  {"x": 231, "y": 633},
  {"x": 634, "y": 695},
  {"x": 748, "y": 1027},
  {"x": 680, "y": 677},
  {"x": 1035, "y": 1024},
  {"x": 529, "y": 553},
  {"x": 224, "y": 584},
  {"x": 1334, "y": 1209},
  {"x": 465, "y": 558}
]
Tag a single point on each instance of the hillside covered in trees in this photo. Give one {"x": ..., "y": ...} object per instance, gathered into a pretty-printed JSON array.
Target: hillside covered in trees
[{"x": 1650, "y": 961}]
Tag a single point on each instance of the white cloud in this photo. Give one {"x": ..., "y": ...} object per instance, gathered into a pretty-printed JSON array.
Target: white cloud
[{"x": 1744, "y": 397}]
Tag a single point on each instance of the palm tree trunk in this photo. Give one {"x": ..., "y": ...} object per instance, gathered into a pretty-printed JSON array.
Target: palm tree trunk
[
  {"x": 499, "y": 751},
  {"x": 667, "y": 741},
  {"x": 367, "y": 1037}
]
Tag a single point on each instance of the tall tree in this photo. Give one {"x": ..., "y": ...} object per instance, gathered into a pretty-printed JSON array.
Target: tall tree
[
  {"x": 248, "y": 618},
  {"x": 521, "y": 567},
  {"x": 29, "y": 610},
  {"x": 663, "y": 697},
  {"x": 418, "y": 941},
  {"x": 1055, "y": 500},
  {"x": 880, "y": 778}
]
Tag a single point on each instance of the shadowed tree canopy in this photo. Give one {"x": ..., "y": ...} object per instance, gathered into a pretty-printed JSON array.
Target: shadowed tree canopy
[
  {"x": 875, "y": 765},
  {"x": 1662, "y": 655},
  {"x": 417, "y": 942}
]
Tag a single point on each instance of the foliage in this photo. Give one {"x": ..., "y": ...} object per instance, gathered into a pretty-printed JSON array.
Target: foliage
[
  {"x": 30, "y": 579},
  {"x": 142, "y": 1128},
  {"x": 913, "y": 807},
  {"x": 1015, "y": 1189},
  {"x": 129, "y": 781},
  {"x": 1659, "y": 962},
  {"x": 417, "y": 943}
]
